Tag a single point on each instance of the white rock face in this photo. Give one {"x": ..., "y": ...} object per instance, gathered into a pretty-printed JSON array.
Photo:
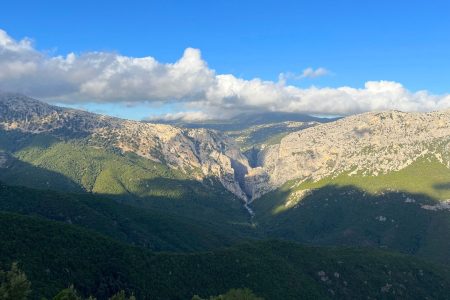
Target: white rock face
[
  {"x": 370, "y": 144},
  {"x": 202, "y": 153}
]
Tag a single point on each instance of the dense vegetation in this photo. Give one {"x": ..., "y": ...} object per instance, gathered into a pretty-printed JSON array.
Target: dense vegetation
[
  {"x": 14, "y": 285},
  {"x": 186, "y": 215},
  {"x": 55, "y": 255},
  {"x": 41, "y": 161},
  {"x": 148, "y": 228},
  {"x": 233, "y": 294},
  {"x": 384, "y": 211}
]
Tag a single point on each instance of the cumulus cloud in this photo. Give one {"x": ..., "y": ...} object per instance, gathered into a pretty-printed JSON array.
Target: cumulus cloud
[
  {"x": 107, "y": 77},
  {"x": 100, "y": 76}
]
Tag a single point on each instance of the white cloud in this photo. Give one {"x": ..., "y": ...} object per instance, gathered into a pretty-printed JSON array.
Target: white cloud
[
  {"x": 107, "y": 77},
  {"x": 311, "y": 73},
  {"x": 307, "y": 73}
]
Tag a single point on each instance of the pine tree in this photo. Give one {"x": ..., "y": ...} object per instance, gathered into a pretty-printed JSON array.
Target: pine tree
[
  {"x": 233, "y": 294},
  {"x": 14, "y": 284},
  {"x": 122, "y": 296},
  {"x": 68, "y": 294}
]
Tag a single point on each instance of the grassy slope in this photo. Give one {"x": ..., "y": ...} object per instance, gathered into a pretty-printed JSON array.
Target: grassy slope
[
  {"x": 426, "y": 176},
  {"x": 55, "y": 255},
  {"x": 44, "y": 162},
  {"x": 346, "y": 210},
  {"x": 146, "y": 228}
]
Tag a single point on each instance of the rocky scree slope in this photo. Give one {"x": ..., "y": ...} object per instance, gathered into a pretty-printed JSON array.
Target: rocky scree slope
[{"x": 199, "y": 152}]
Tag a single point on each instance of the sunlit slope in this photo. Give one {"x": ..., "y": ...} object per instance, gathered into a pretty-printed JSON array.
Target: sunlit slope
[
  {"x": 41, "y": 161},
  {"x": 403, "y": 210},
  {"x": 425, "y": 176}
]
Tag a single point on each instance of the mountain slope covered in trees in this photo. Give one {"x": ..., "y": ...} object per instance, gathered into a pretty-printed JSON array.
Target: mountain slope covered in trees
[
  {"x": 155, "y": 230},
  {"x": 54, "y": 255}
]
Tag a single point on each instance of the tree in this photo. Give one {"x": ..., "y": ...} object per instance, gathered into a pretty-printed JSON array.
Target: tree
[
  {"x": 68, "y": 294},
  {"x": 14, "y": 284},
  {"x": 233, "y": 294},
  {"x": 122, "y": 296}
]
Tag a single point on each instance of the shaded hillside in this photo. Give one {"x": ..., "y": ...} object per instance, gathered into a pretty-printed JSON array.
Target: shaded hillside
[
  {"x": 55, "y": 255},
  {"x": 346, "y": 215},
  {"x": 150, "y": 229}
]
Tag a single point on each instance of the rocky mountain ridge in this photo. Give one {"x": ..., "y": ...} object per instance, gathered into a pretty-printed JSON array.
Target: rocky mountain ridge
[
  {"x": 368, "y": 144},
  {"x": 199, "y": 152}
]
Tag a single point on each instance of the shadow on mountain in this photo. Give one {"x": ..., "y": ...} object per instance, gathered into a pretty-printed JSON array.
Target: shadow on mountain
[
  {"x": 204, "y": 201},
  {"x": 188, "y": 199},
  {"x": 16, "y": 140},
  {"x": 240, "y": 171},
  {"x": 20, "y": 173},
  {"x": 335, "y": 215},
  {"x": 442, "y": 186},
  {"x": 201, "y": 201},
  {"x": 201, "y": 205},
  {"x": 141, "y": 227},
  {"x": 77, "y": 167}
]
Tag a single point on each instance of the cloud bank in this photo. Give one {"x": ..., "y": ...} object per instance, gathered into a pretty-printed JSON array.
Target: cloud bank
[{"x": 107, "y": 77}]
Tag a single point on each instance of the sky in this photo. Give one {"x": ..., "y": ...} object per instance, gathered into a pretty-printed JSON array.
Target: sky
[{"x": 215, "y": 59}]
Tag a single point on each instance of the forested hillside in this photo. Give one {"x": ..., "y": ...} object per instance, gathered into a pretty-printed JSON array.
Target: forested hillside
[{"x": 55, "y": 255}]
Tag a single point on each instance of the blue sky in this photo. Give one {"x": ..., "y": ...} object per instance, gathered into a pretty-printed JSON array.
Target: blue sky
[{"x": 356, "y": 41}]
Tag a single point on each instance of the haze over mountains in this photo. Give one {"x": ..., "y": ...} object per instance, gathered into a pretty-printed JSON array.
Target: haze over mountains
[{"x": 376, "y": 180}]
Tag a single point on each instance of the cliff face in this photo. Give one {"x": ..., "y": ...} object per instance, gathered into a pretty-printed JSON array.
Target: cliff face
[{"x": 367, "y": 144}]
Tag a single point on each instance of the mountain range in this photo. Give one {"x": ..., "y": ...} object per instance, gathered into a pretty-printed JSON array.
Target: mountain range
[{"x": 364, "y": 190}]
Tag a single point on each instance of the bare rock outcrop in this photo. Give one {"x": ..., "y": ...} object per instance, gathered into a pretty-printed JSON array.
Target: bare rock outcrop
[{"x": 367, "y": 144}]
